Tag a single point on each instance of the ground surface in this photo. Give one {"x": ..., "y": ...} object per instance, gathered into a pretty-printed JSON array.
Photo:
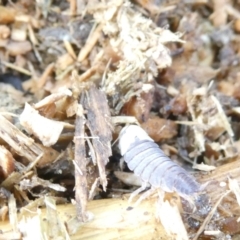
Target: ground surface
[{"x": 73, "y": 73}]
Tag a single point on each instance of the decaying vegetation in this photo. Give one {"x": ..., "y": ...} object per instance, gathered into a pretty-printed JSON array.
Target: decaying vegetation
[{"x": 74, "y": 72}]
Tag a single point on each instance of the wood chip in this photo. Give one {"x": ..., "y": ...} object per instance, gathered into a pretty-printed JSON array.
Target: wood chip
[
  {"x": 17, "y": 48},
  {"x": 46, "y": 130},
  {"x": 7, "y": 165},
  {"x": 100, "y": 126},
  {"x": 27, "y": 147},
  {"x": 81, "y": 190},
  {"x": 7, "y": 15}
]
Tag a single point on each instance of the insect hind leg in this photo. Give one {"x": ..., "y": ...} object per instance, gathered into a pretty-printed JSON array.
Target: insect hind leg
[
  {"x": 145, "y": 195},
  {"x": 136, "y": 192}
]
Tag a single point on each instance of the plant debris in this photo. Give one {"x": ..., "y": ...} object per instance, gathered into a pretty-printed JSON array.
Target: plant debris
[{"x": 73, "y": 73}]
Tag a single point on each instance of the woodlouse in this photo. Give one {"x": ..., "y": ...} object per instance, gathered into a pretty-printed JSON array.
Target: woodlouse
[{"x": 147, "y": 160}]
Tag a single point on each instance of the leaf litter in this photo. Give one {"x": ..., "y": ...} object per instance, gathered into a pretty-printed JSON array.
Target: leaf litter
[{"x": 73, "y": 73}]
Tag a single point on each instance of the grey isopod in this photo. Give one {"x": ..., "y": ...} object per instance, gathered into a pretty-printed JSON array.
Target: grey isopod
[{"x": 148, "y": 161}]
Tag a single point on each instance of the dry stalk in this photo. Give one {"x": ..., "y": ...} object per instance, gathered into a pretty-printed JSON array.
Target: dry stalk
[
  {"x": 43, "y": 79},
  {"x": 81, "y": 189},
  {"x": 92, "y": 40}
]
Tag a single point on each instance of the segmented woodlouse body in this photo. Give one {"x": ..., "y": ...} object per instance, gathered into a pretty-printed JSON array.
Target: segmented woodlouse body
[{"x": 147, "y": 160}]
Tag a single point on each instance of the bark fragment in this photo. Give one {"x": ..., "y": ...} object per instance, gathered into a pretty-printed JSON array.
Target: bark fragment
[
  {"x": 99, "y": 123},
  {"x": 81, "y": 191}
]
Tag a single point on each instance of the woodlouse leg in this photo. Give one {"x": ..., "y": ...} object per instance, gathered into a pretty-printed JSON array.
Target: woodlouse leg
[
  {"x": 136, "y": 192},
  {"x": 145, "y": 195},
  {"x": 121, "y": 163},
  {"x": 161, "y": 195},
  {"x": 189, "y": 203}
]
